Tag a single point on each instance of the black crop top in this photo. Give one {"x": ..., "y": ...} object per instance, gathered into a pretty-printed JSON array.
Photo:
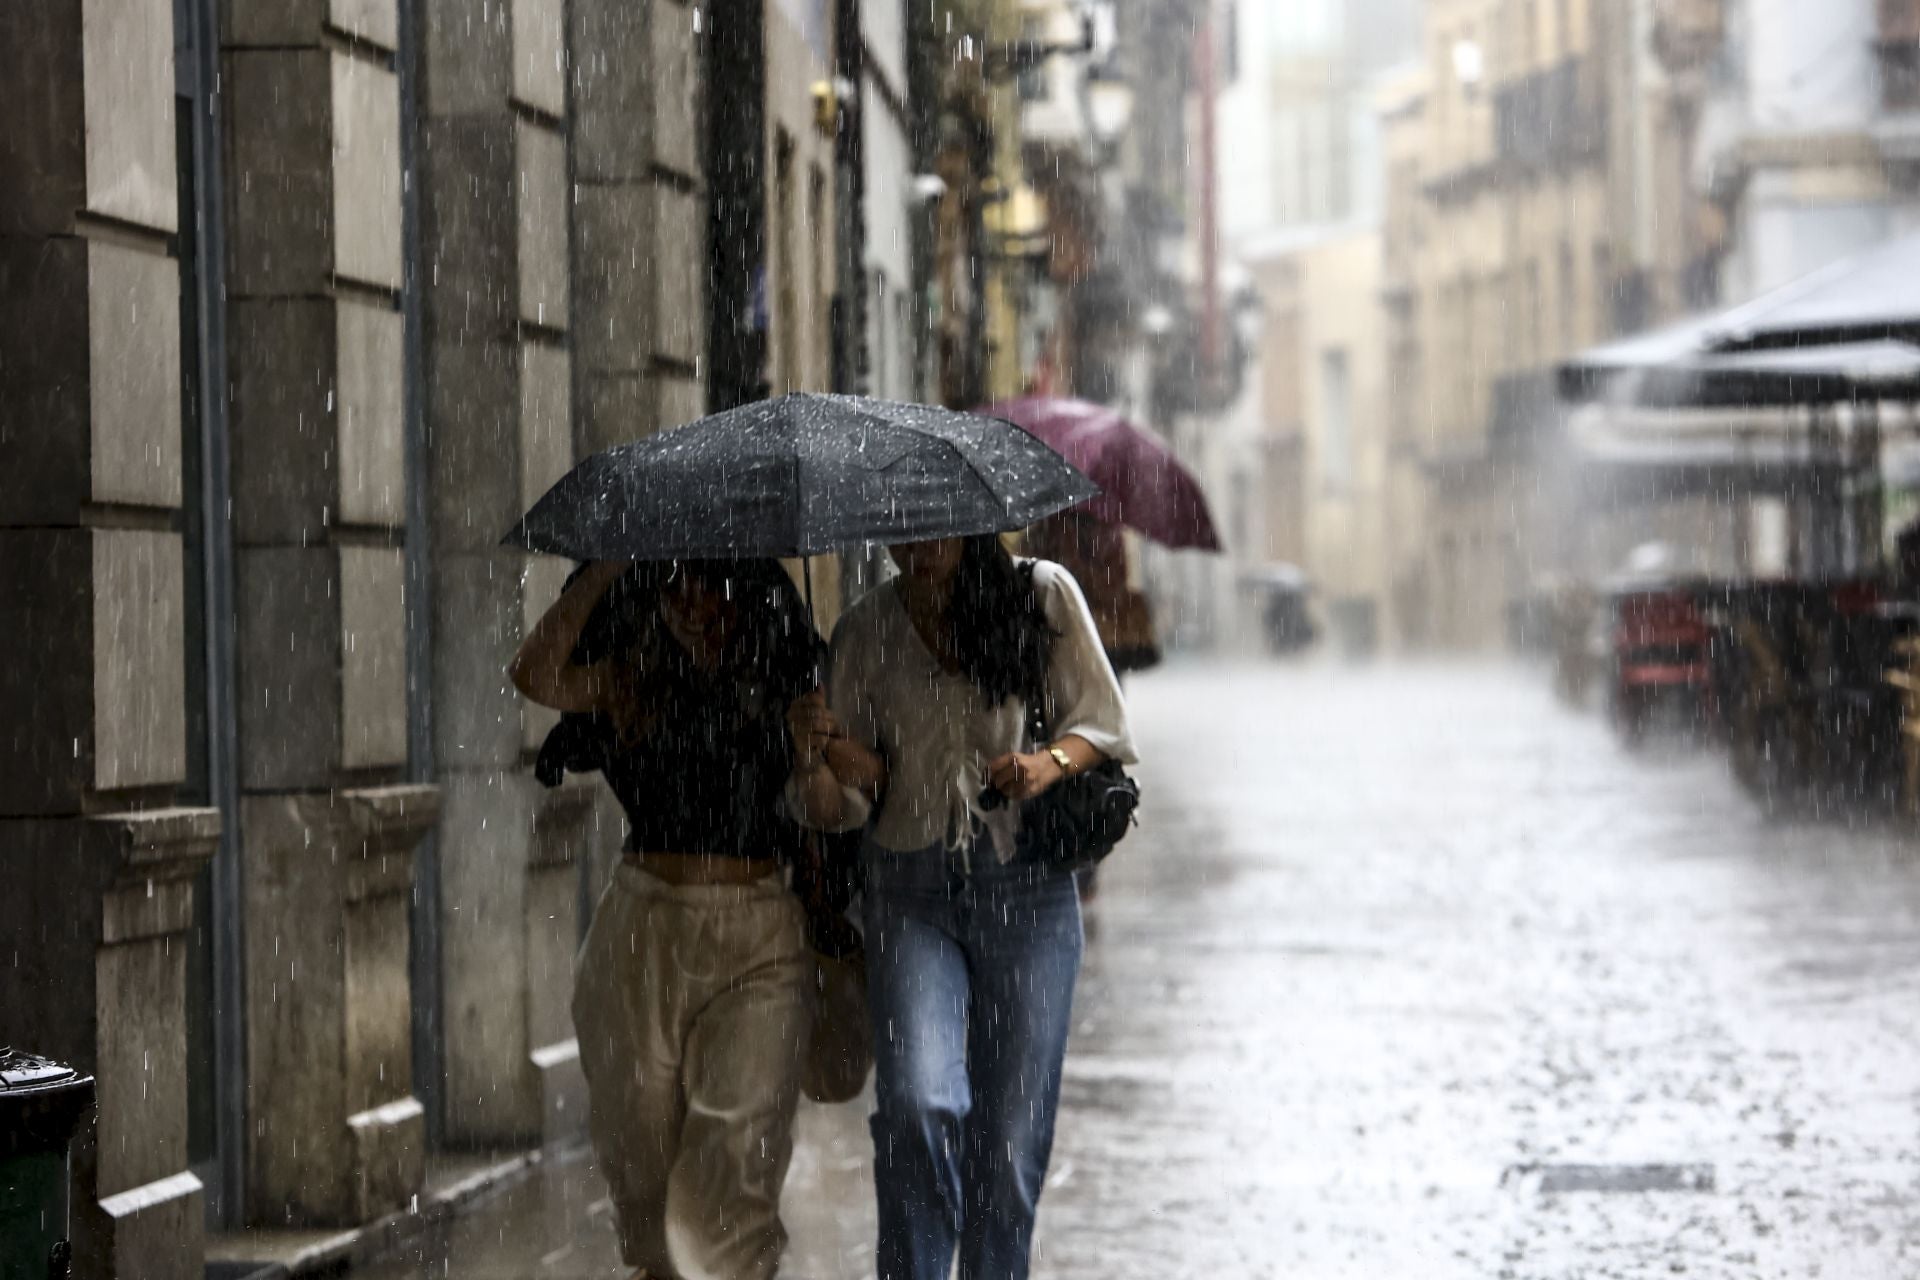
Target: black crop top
[{"x": 706, "y": 777}]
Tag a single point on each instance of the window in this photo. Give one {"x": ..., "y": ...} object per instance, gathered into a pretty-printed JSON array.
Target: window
[
  {"x": 1229, "y": 11},
  {"x": 1602, "y": 321},
  {"x": 1031, "y": 83},
  {"x": 1564, "y": 298},
  {"x": 1336, "y": 422},
  {"x": 1532, "y": 315},
  {"x": 786, "y": 309},
  {"x": 818, "y": 242},
  {"x": 880, "y": 374}
]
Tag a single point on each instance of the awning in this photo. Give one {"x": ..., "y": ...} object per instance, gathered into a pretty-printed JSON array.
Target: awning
[
  {"x": 1857, "y": 322},
  {"x": 1635, "y": 453},
  {"x": 1871, "y": 296},
  {"x": 1776, "y": 378},
  {"x": 1587, "y": 376},
  {"x": 1719, "y": 403}
]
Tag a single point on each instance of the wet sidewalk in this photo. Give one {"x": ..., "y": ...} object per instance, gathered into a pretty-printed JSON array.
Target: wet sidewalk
[{"x": 1411, "y": 973}]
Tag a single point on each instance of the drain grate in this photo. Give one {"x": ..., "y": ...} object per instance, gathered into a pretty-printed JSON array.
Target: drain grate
[{"x": 1562, "y": 1179}]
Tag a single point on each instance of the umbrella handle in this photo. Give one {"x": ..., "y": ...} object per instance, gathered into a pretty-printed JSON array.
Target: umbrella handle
[{"x": 806, "y": 576}]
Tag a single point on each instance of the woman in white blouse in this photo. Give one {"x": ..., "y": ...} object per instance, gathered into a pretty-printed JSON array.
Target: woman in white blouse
[{"x": 971, "y": 952}]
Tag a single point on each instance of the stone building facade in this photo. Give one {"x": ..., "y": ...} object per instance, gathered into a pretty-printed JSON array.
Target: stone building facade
[
  {"x": 1327, "y": 466},
  {"x": 303, "y": 302},
  {"x": 1562, "y": 172}
]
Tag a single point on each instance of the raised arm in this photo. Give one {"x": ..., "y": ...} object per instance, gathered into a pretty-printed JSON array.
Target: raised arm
[{"x": 543, "y": 669}]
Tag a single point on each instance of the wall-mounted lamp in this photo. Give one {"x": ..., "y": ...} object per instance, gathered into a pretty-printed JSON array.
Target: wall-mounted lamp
[
  {"x": 1004, "y": 61},
  {"x": 830, "y": 99}
]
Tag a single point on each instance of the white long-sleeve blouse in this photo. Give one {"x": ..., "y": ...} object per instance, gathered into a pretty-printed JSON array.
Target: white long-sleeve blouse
[{"x": 937, "y": 732}]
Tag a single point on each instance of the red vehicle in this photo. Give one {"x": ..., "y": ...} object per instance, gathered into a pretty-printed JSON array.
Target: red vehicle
[{"x": 1662, "y": 647}]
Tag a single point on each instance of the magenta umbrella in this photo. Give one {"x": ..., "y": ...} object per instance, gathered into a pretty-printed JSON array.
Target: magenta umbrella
[{"x": 1142, "y": 485}]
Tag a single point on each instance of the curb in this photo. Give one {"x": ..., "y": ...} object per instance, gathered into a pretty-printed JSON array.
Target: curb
[{"x": 384, "y": 1237}]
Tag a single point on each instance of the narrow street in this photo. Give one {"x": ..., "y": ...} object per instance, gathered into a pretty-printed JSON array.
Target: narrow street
[{"x": 1407, "y": 973}]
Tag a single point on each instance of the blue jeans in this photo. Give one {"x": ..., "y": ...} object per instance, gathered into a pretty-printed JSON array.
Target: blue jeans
[{"x": 970, "y": 983}]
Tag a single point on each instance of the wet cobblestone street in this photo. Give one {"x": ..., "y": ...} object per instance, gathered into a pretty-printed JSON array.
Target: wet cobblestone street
[{"x": 1393, "y": 947}]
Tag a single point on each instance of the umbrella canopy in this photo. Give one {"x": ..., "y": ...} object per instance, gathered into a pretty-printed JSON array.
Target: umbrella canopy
[
  {"x": 1142, "y": 485},
  {"x": 800, "y": 476}
]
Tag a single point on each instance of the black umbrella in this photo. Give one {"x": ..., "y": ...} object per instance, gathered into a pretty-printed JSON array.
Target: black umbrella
[{"x": 799, "y": 476}]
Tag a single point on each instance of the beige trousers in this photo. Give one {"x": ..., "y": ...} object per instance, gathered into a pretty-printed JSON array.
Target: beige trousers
[{"x": 692, "y": 1005}]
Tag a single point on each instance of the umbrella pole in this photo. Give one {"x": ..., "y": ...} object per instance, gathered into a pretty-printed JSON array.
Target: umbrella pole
[{"x": 806, "y": 574}]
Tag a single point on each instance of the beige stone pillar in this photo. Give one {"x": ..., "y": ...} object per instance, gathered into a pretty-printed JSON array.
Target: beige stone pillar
[
  {"x": 497, "y": 306},
  {"x": 96, "y": 860},
  {"x": 317, "y": 358},
  {"x": 641, "y": 218}
]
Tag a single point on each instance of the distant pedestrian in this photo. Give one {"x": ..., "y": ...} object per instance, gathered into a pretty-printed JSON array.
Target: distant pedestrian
[
  {"x": 972, "y": 952},
  {"x": 1095, "y": 553},
  {"x": 692, "y": 990}
]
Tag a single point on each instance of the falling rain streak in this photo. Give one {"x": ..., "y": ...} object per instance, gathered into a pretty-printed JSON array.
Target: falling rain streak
[{"x": 598, "y": 579}]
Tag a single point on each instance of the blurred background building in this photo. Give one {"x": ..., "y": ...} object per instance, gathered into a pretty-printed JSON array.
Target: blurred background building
[
  {"x": 1533, "y": 177},
  {"x": 305, "y": 302}
]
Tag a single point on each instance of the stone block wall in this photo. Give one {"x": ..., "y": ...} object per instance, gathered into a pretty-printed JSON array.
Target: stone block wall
[
  {"x": 96, "y": 853},
  {"x": 317, "y": 358},
  {"x": 498, "y": 380},
  {"x": 561, "y": 233},
  {"x": 640, "y": 180}
]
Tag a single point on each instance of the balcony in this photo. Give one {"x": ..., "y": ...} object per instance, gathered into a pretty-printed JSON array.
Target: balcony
[
  {"x": 1552, "y": 119},
  {"x": 1687, "y": 34}
]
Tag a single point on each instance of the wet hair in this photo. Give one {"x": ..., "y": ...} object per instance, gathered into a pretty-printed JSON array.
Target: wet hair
[
  {"x": 775, "y": 635},
  {"x": 1000, "y": 634}
]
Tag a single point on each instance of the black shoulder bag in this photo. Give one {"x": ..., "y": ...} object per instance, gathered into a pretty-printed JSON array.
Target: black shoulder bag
[{"x": 1077, "y": 821}]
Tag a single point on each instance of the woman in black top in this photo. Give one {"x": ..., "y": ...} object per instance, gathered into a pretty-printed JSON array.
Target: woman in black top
[{"x": 692, "y": 989}]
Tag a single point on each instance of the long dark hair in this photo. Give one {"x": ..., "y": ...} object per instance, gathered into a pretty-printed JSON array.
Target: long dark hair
[{"x": 1000, "y": 634}]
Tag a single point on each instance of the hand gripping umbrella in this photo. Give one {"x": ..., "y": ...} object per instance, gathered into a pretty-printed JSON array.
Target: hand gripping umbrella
[{"x": 799, "y": 476}]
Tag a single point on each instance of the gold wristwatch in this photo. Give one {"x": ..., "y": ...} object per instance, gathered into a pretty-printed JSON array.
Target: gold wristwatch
[{"x": 1062, "y": 759}]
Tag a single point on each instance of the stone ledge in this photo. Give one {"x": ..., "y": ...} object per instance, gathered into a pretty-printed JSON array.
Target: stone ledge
[
  {"x": 123, "y": 876},
  {"x": 394, "y": 817},
  {"x": 152, "y": 1230},
  {"x": 452, "y": 1188},
  {"x": 170, "y": 842},
  {"x": 390, "y": 822}
]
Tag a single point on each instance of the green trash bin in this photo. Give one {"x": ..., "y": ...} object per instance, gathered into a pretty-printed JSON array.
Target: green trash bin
[{"x": 41, "y": 1106}]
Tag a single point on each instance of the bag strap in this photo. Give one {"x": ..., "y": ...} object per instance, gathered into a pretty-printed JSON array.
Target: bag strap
[{"x": 1039, "y": 700}]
